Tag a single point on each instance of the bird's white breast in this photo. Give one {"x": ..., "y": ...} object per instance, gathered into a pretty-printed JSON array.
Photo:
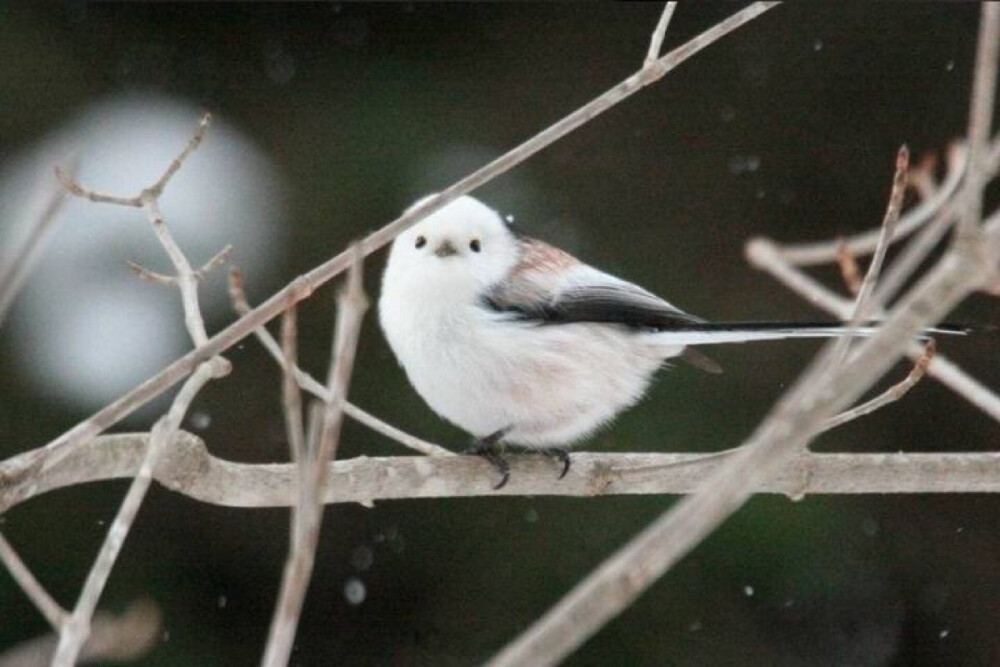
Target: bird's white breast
[{"x": 483, "y": 372}]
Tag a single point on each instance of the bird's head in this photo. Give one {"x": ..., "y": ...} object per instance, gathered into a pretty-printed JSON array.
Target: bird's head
[{"x": 459, "y": 251}]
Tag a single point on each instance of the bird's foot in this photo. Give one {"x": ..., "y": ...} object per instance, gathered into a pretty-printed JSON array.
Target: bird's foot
[
  {"x": 561, "y": 454},
  {"x": 491, "y": 450}
]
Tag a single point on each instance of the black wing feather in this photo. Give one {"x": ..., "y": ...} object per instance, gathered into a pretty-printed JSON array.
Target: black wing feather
[{"x": 603, "y": 304}]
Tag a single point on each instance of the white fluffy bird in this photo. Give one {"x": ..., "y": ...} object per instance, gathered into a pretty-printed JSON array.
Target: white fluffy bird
[{"x": 518, "y": 342}]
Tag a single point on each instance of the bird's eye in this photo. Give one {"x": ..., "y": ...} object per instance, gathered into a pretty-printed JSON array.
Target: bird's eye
[
  {"x": 474, "y": 245},
  {"x": 421, "y": 242}
]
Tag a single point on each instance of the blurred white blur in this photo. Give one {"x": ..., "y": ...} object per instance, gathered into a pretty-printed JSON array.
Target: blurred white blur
[{"x": 85, "y": 329}]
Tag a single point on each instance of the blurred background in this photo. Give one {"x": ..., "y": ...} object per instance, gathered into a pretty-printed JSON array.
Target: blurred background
[{"x": 330, "y": 120}]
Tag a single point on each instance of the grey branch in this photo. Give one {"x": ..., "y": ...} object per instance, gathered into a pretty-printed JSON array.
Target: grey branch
[
  {"x": 15, "y": 269},
  {"x": 77, "y": 627},
  {"x": 44, "y": 602},
  {"x": 187, "y": 278},
  {"x": 307, "y": 514},
  {"x": 190, "y": 470}
]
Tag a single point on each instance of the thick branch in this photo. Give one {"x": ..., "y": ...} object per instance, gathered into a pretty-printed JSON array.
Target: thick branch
[{"x": 189, "y": 469}]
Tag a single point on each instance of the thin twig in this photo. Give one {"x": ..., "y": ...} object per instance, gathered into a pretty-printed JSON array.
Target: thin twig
[
  {"x": 765, "y": 255},
  {"x": 291, "y": 395},
  {"x": 862, "y": 304},
  {"x": 304, "y": 285},
  {"x": 306, "y": 382},
  {"x": 44, "y": 602},
  {"x": 656, "y": 41},
  {"x": 151, "y": 276},
  {"x": 217, "y": 260},
  {"x": 849, "y": 270},
  {"x": 915, "y": 252},
  {"x": 894, "y": 393},
  {"x": 187, "y": 278},
  {"x": 157, "y": 188},
  {"x": 15, "y": 270},
  {"x": 981, "y": 110},
  {"x": 308, "y": 511},
  {"x": 77, "y": 627},
  {"x": 864, "y": 243}
]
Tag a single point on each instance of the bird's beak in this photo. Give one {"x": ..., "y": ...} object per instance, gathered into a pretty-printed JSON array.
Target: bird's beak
[{"x": 446, "y": 249}]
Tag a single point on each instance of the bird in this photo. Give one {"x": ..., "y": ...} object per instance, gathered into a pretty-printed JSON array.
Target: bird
[{"x": 520, "y": 343}]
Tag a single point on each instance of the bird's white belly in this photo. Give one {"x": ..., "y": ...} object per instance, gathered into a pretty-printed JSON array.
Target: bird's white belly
[{"x": 549, "y": 385}]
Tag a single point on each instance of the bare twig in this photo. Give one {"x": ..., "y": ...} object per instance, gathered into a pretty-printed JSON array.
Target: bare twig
[
  {"x": 77, "y": 628},
  {"x": 656, "y": 41},
  {"x": 849, "y": 270},
  {"x": 308, "y": 511},
  {"x": 151, "y": 276},
  {"x": 765, "y": 255},
  {"x": 217, "y": 260},
  {"x": 909, "y": 260},
  {"x": 862, "y": 304},
  {"x": 864, "y": 243},
  {"x": 308, "y": 383},
  {"x": 156, "y": 189},
  {"x": 291, "y": 396},
  {"x": 187, "y": 278},
  {"x": 981, "y": 109},
  {"x": 44, "y": 602},
  {"x": 304, "y": 285},
  {"x": 15, "y": 270},
  {"x": 894, "y": 393},
  {"x": 112, "y": 638}
]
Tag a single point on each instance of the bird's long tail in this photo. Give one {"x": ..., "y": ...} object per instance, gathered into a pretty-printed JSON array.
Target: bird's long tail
[{"x": 715, "y": 333}]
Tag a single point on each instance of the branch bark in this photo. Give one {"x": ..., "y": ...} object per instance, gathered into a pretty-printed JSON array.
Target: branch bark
[{"x": 190, "y": 470}]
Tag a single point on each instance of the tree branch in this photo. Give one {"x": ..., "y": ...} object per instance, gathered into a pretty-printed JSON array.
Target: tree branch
[
  {"x": 76, "y": 629},
  {"x": 190, "y": 470},
  {"x": 307, "y": 514},
  {"x": 15, "y": 270}
]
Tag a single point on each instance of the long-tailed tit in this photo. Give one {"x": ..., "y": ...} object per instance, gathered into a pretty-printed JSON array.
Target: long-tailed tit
[{"x": 518, "y": 342}]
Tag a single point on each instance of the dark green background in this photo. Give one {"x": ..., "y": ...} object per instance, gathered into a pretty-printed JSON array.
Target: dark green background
[{"x": 653, "y": 190}]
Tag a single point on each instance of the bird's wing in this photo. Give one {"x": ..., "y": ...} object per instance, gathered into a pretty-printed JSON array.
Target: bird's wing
[{"x": 551, "y": 286}]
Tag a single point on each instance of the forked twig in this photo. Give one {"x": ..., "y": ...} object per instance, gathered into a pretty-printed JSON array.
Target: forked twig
[
  {"x": 656, "y": 41},
  {"x": 187, "y": 278}
]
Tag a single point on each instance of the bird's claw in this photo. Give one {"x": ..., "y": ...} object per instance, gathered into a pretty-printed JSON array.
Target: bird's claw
[{"x": 562, "y": 455}]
